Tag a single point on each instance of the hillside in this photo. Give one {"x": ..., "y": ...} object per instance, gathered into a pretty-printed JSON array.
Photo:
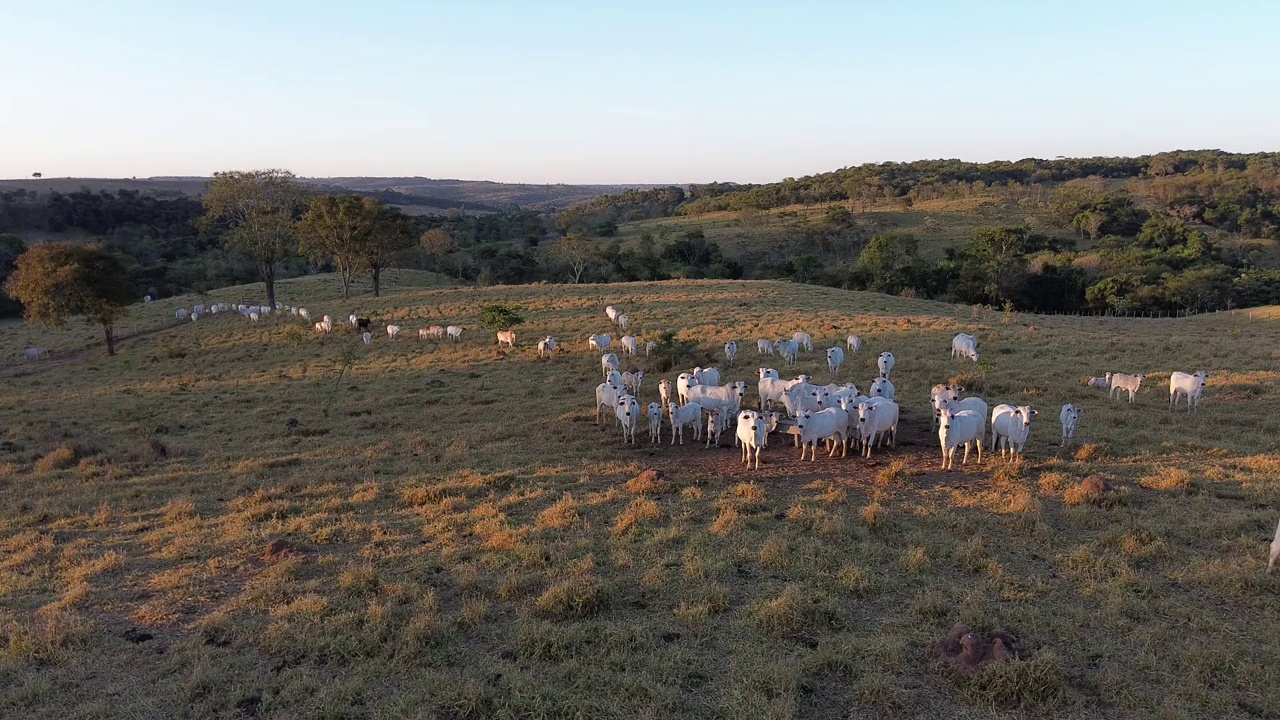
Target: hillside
[
  {"x": 461, "y": 540},
  {"x": 417, "y": 192}
]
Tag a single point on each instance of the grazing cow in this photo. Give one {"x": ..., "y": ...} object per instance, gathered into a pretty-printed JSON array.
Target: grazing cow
[
  {"x": 730, "y": 350},
  {"x": 881, "y": 387},
  {"x": 606, "y": 397},
  {"x": 877, "y": 421},
  {"x": 180, "y": 314},
  {"x": 198, "y": 309},
  {"x": 1121, "y": 381},
  {"x": 293, "y": 311},
  {"x": 1010, "y": 428},
  {"x": 956, "y": 429},
  {"x": 195, "y": 316},
  {"x": 366, "y": 324},
  {"x": 628, "y": 411},
  {"x": 1275, "y": 551},
  {"x": 599, "y": 342},
  {"x": 423, "y": 333},
  {"x": 764, "y": 347},
  {"x": 681, "y": 415},
  {"x": 322, "y": 326},
  {"x": 608, "y": 363},
  {"x": 436, "y": 331},
  {"x": 368, "y": 337},
  {"x": 546, "y": 346},
  {"x": 507, "y": 337},
  {"x": 254, "y": 317},
  {"x": 941, "y": 392},
  {"x": 631, "y": 381},
  {"x": 885, "y": 363},
  {"x": 393, "y": 331},
  {"x": 964, "y": 346},
  {"x": 683, "y": 382},
  {"x": 1069, "y": 416},
  {"x": 664, "y": 392},
  {"x": 727, "y": 397},
  {"x": 305, "y": 314},
  {"x": 611, "y": 313},
  {"x": 623, "y": 321},
  {"x": 1190, "y": 386},
  {"x": 629, "y": 345},
  {"x": 831, "y": 423},
  {"x": 649, "y": 347},
  {"x": 803, "y": 340},
  {"x": 1100, "y": 382},
  {"x": 353, "y": 320},
  {"x": 854, "y": 343},
  {"x": 752, "y": 433},
  {"x": 454, "y": 332},
  {"x": 654, "y": 411},
  {"x": 34, "y": 353},
  {"x": 788, "y": 349},
  {"x": 707, "y": 376},
  {"x": 835, "y": 358}
]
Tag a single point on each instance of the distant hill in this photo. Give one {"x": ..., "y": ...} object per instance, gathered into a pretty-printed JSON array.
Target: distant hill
[{"x": 422, "y": 194}]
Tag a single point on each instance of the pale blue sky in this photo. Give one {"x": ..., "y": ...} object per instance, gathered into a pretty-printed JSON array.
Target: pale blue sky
[{"x": 652, "y": 92}]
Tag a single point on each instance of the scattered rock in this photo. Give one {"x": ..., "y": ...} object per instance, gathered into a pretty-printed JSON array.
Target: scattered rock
[
  {"x": 966, "y": 651},
  {"x": 1095, "y": 486},
  {"x": 278, "y": 549},
  {"x": 134, "y": 635}
]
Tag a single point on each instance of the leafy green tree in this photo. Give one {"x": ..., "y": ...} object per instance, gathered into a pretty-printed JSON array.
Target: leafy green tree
[
  {"x": 437, "y": 243},
  {"x": 55, "y": 281},
  {"x": 501, "y": 316},
  {"x": 391, "y": 232},
  {"x": 11, "y": 248},
  {"x": 338, "y": 227},
  {"x": 256, "y": 209},
  {"x": 1200, "y": 289},
  {"x": 889, "y": 260}
]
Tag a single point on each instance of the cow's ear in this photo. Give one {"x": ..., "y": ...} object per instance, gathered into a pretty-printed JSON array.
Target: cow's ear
[{"x": 1035, "y": 412}]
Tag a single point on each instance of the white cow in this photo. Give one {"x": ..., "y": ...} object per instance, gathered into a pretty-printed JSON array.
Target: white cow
[
  {"x": 956, "y": 429},
  {"x": 1100, "y": 382},
  {"x": 835, "y": 358},
  {"x": 939, "y": 393},
  {"x": 877, "y": 421},
  {"x": 631, "y": 381},
  {"x": 1189, "y": 386},
  {"x": 752, "y": 433},
  {"x": 34, "y": 353},
  {"x": 546, "y": 346},
  {"x": 180, "y": 314},
  {"x": 681, "y": 415},
  {"x": 368, "y": 337},
  {"x": 718, "y": 397},
  {"x": 454, "y": 332},
  {"x": 717, "y": 421},
  {"x": 599, "y": 342},
  {"x": 623, "y": 321},
  {"x": 881, "y": 387},
  {"x": 771, "y": 390},
  {"x": 964, "y": 346},
  {"x": 1275, "y": 550},
  {"x": 629, "y": 345},
  {"x": 854, "y": 343},
  {"x": 684, "y": 381},
  {"x": 1010, "y": 428},
  {"x": 801, "y": 398},
  {"x": 608, "y": 363},
  {"x": 195, "y": 316},
  {"x": 323, "y": 326},
  {"x": 730, "y": 350},
  {"x": 423, "y": 333},
  {"x": 1121, "y": 381},
  {"x": 612, "y": 313},
  {"x": 664, "y": 392},
  {"x": 1069, "y": 416},
  {"x": 764, "y": 347},
  {"x": 788, "y": 349},
  {"x": 707, "y": 376},
  {"x": 436, "y": 331},
  {"x": 198, "y": 309},
  {"x": 832, "y": 423},
  {"x": 355, "y": 321},
  {"x": 654, "y": 411},
  {"x": 803, "y": 340},
  {"x": 507, "y": 337},
  {"x": 606, "y": 397},
  {"x": 305, "y": 314},
  {"x": 975, "y": 405},
  {"x": 146, "y": 300},
  {"x": 885, "y": 363},
  {"x": 393, "y": 331},
  {"x": 254, "y": 316},
  {"x": 614, "y": 378},
  {"x": 628, "y": 412},
  {"x": 764, "y": 372}
]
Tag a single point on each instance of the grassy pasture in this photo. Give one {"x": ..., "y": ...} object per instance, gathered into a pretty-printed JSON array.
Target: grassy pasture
[{"x": 465, "y": 542}]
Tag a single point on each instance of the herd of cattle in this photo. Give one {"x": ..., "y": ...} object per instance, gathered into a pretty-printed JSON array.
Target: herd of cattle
[{"x": 834, "y": 415}]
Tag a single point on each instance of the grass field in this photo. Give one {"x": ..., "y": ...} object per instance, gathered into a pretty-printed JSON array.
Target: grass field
[{"x": 464, "y": 542}]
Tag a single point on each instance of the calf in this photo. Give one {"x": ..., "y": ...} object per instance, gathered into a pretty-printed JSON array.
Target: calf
[
  {"x": 628, "y": 412},
  {"x": 752, "y": 433},
  {"x": 608, "y": 363},
  {"x": 854, "y": 343},
  {"x": 764, "y": 347},
  {"x": 1121, "y": 381},
  {"x": 1010, "y": 428},
  {"x": 681, "y": 415},
  {"x": 654, "y": 411},
  {"x": 507, "y": 337},
  {"x": 716, "y": 423},
  {"x": 1190, "y": 386},
  {"x": 956, "y": 429},
  {"x": 835, "y": 358},
  {"x": 367, "y": 337},
  {"x": 436, "y": 331},
  {"x": 730, "y": 350},
  {"x": 1069, "y": 416},
  {"x": 629, "y": 345},
  {"x": 631, "y": 381},
  {"x": 664, "y": 392},
  {"x": 937, "y": 394},
  {"x": 832, "y": 423},
  {"x": 803, "y": 340},
  {"x": 546, "y": 346},
  {"x": 885, "y": 362}
]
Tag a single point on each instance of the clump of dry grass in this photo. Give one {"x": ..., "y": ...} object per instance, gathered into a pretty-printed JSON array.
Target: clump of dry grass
[
  {"x": 971, "y": 554},
  {"x": 897, "y": 472},
  {"x": 60, "y": 458},
  {"x": 1089, "y": 452},
  {"x": 1039, "y": 682},
  {"x": 561, "y": 515},
  {"x": 744, "y": 496},
  {"x": 1051, "y": 483},
  {"x": 783, "y": 615},
  {"x": 775, "y": 552},
  {"x": 578, "y": 596},
  {"x": 1009, "y": 472},
  {"x": 1168, "y": 478},
  {"x": 647, "y": 483},
  {"x": 640, "y": 510},
  {"x": 915, "y": 559},
  {"x": 43, "y": 637},
  {"x": 872, "y": 514},
  {"x": 728, "y": 522},
  {"x": 854, "y": 580}
]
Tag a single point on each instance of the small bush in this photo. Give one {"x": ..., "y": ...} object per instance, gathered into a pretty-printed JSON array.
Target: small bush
[
  {"x": 501, "y": 316},
  {"x": 671, "y": 353},
  {"x": 1051, "y": 482}
]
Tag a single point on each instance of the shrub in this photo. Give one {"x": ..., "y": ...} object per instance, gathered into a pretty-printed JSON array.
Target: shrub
[
  {"x": 670, "y": 353},
  {"x": 501, "y": 316}
]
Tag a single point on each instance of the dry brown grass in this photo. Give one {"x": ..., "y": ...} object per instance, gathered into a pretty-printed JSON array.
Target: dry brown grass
[{"x": 502, "y": 556}]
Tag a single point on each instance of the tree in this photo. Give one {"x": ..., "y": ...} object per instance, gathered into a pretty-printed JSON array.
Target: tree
[
  {"x": 55, "y": 281},
  {"x": 1089, "y": 222},
  {"x": 257, "y": 208},
  {"x": 501, "y": 317},
  {"x": 337, "y": 226},
  {"x": 576, "y": 250},
  {"x": 889, "y": 258},
  {"x": 11, "y": 248},
  {"x": 436, "y": 243},
  {"x": 391, "y": 233}
]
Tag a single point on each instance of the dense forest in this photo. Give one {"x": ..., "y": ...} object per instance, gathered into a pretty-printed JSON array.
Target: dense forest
[{"x": 1174, "y": 232}]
